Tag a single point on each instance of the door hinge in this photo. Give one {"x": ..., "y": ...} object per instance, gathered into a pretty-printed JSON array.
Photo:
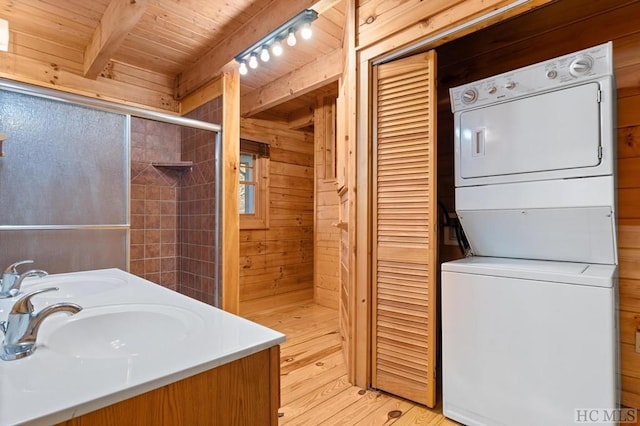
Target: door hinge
[{"x": 599, "y": 96}]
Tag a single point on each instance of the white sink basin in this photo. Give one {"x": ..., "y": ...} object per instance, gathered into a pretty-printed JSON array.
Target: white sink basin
[
  {"x": 72, "y": 287},
  {"x": 124, "y": 331}
]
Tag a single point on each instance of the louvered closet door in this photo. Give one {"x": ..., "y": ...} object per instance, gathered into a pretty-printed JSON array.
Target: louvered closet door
[{"x": 404, "y": 228}]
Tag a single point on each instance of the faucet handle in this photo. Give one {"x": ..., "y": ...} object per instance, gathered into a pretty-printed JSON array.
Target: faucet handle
[
  {"x": 32, "y": 273},
  {"x": 24, "y": 305},
  {"x": 12, "y": 281},
  {"x": 12, "y": 269}
]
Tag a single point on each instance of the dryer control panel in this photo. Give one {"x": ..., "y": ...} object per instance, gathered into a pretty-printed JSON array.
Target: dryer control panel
[{"x": 549, "y": 75}]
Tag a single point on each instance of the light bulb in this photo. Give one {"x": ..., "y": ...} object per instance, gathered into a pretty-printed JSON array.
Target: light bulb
[
  {"x": 291, "y": 38},
  {"x": 276, "y": 49},
  {"x": 253, "y": 61},
  {"x": 264, "y": 54},
  {"x": 243, "y": 68},
  {"x": 306, "y": 32}
]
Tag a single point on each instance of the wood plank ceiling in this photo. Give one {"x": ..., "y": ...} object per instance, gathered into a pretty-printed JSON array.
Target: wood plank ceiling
[{"x": 172, "y": 47}]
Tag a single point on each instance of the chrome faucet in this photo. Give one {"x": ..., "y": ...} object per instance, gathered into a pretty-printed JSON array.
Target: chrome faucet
[
  {"x": 11, "y": 280},
  {"x": 21, "y": 328}
]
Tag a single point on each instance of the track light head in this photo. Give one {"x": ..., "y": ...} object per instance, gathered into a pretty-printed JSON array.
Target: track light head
[
  {"x": 264, "y": 54},
  {"x": 243, "y": 68},
  {"x": 291, "y": 38},
  {"x": 306, "y": 32},
  {"x": 276, "y": 49},
  {"x": 253, "y": 61}
]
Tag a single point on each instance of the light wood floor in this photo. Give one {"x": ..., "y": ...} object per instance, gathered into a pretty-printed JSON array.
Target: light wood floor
[{"x": 314, "y": 386}]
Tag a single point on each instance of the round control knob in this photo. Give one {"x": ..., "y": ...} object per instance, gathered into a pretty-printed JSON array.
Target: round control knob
[
  {"x": 510, "y": 85},
  {"x": 469, "y": 96},
  {"x": 492, "y": 90},
  {"x": 580, "y": 66},
  {"x": 551, "y": 74}
]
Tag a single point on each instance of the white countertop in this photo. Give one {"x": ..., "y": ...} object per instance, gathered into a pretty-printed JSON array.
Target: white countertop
[{"x": 54, "y": 385}]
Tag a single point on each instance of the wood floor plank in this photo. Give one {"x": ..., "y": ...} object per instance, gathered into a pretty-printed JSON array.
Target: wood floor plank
[
  {"x": 321, "y": 339},
  {"x": 313, "y": 377},
  {"x": 443, "y": 421},
  {"x": 312, "y": 399},
  {"x": 306, "y": 379},
  {"x": 417, "y": 416},
  {"x": 384, "y": 414},
  {"x": 311, "y": 334},
  {"x": 329, "y": 410},
  {"x": 281, "y": 317},
  {"x": 295, "y": 357},
  {"x": 365, "y": 411}
]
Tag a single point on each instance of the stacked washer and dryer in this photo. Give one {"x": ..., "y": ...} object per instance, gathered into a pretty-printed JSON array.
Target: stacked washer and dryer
[{"x": 529, "y": 322}]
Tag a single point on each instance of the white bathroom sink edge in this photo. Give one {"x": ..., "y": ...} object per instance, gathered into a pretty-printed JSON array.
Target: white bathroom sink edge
[
  {"x": 225, "y": 338},
  {"x": 104, "y": 401}
]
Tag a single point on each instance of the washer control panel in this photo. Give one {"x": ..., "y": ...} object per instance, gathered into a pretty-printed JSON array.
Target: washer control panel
[{"x": 565, "y": 70}]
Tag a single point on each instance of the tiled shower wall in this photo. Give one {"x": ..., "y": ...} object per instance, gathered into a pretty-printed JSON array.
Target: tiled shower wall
[
  {"x": 154, "y": 202},
  {"x": 197, "y": 203},
  {"x": 173, "y": 210}
]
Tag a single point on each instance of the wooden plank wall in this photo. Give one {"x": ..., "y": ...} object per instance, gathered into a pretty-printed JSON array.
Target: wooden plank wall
[
  {"x": 118, "y": 83},
  {"x": 276, "y": 264},
  {"x": 558, "y": 29},
  {"x": 327, "y": 209}
]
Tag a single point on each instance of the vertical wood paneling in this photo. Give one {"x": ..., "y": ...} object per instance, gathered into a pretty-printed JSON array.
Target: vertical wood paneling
[
  {"x": 513, "y": 44},
  {"x": 404, "y": 232},
  {"x": 346, "y": 320},
  {"x": 276, "y": 264},
  {"x": 326, "y": 213},
  {"x": 230, "y": 220},
  {"x": 354, "y": 294}
]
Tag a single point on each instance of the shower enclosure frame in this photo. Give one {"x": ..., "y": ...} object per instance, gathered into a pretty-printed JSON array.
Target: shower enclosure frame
[{"x": 132, "y": 111}]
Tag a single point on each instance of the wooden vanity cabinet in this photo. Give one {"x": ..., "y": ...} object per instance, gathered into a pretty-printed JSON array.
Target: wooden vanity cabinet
[{"x": 242, "y": 392}]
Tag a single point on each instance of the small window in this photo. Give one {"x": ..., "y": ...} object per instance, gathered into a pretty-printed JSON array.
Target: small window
[
  {"x": 248, "y": 183},
  {"x": 254, "y": 185}
]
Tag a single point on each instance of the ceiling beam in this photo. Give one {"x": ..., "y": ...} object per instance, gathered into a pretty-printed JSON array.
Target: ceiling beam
[
  {"x": 212, "y": 63},
  {"x": 322, "y": 71},
  {"x": 118, "y": 20},
  {"x": 300, "y": 119},
  {"x": 209, "y": 92}
]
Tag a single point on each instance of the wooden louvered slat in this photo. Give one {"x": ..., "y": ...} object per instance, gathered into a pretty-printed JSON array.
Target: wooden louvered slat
[{"x": 404, "y": 237}]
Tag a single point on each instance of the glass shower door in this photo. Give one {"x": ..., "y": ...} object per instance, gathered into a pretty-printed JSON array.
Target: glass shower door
[{"x": 63, "y": 184}]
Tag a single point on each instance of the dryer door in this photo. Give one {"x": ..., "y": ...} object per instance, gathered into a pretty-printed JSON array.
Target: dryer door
[{"x": 523, "y": 139}]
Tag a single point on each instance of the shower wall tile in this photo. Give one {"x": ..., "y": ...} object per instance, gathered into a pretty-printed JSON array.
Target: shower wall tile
[
  {"x": 196, "y": 262},
  {"x": 154, "y": 201},
  {"x": 173, "y": 212}
]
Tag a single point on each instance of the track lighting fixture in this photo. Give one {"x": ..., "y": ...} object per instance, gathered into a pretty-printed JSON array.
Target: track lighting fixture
[{"x": 273, "y": 41}]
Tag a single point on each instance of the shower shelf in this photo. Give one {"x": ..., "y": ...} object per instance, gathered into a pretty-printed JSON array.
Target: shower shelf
[{"x": 175, "y": 165}]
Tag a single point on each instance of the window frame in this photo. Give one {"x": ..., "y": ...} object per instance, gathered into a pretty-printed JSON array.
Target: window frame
[{"x": 260, "y": 218}]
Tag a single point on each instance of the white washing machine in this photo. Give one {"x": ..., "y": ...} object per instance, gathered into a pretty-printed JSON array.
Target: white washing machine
[
  {"x": 529, "y": 333},
  {"x": 527, "y": 342}
]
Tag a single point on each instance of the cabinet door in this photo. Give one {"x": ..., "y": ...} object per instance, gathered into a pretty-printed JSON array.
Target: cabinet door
[{"x": 404, "y": 228}]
